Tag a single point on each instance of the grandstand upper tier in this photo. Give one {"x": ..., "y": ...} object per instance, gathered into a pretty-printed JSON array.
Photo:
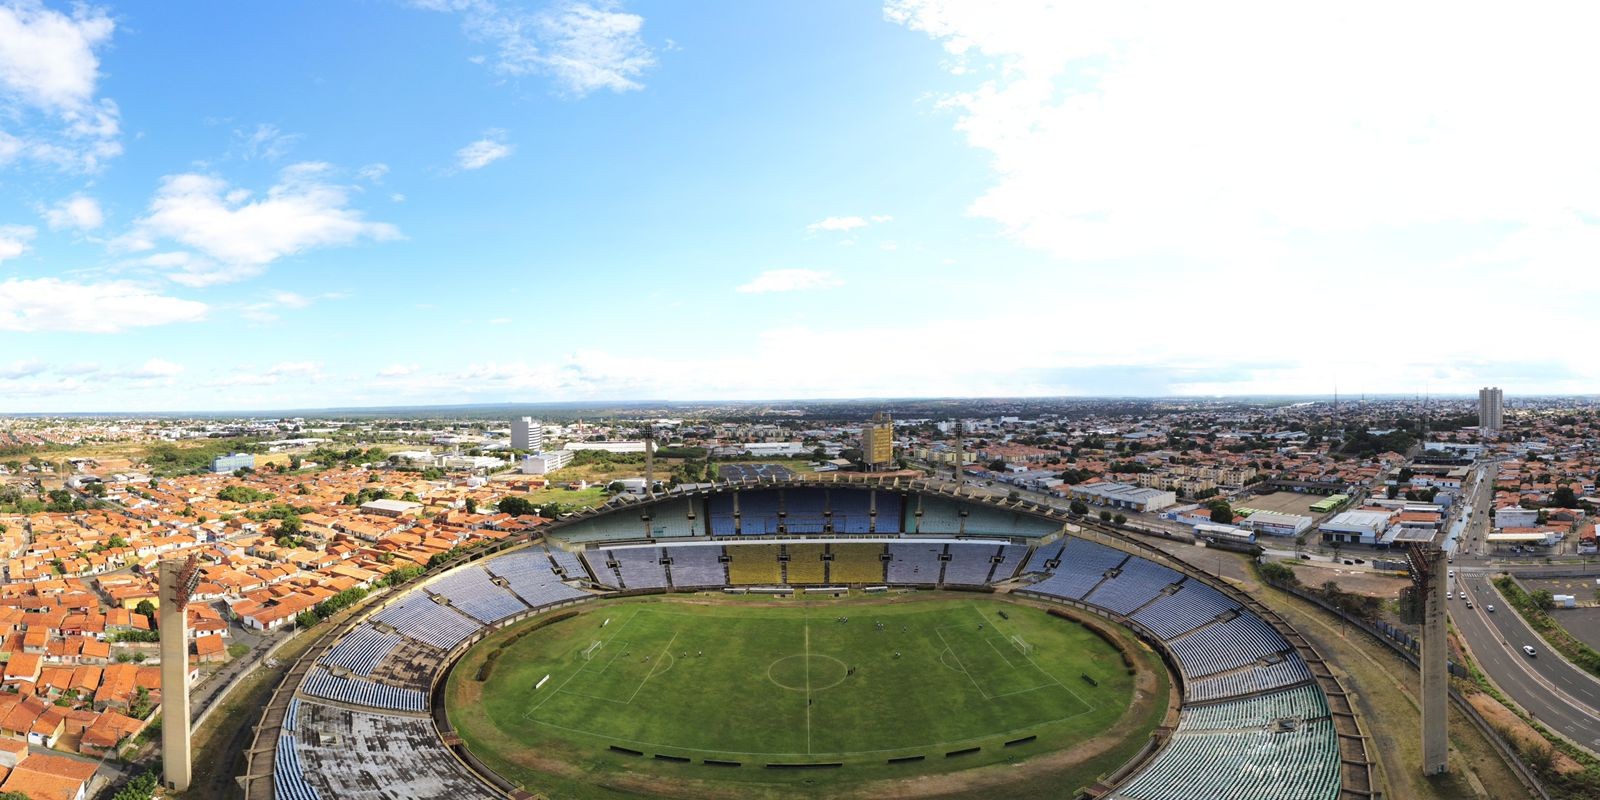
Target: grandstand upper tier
[{"x": 808, "y": 507}]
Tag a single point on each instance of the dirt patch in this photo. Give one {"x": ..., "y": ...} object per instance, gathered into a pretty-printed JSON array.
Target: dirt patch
[{"x": 1518, "y": 732}]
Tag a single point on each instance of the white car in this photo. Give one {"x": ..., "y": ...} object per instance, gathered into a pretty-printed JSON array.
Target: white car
[
  {"x": 1527, "y": 649},
  {"x": 1450, "y": 595}
]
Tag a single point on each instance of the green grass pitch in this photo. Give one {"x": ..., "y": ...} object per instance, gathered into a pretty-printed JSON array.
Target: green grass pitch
[{"x": 763, "y": 683}]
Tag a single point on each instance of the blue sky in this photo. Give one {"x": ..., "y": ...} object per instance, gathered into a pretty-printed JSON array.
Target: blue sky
[{"x": 226, "y": 206}]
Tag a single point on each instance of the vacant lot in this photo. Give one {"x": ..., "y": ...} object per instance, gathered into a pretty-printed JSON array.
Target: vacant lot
[{"x": 1283, "y": 502}]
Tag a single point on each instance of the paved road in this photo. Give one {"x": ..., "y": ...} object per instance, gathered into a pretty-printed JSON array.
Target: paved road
[{"x": 1558, "y": 694}]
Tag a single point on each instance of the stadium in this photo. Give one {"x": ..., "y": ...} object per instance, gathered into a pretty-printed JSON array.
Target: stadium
[{"x": 812, "y": 636}]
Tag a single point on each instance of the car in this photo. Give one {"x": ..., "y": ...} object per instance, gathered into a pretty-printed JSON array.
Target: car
[
  {"x": 1469, "y": 604},
  {"x": 1452, "y": 573},
  {"x": 1490, "y": 607},
  {"x": 1360, "y": 561},
  {"x": 1528, "y": 649},
  {"x": 1450, "y": 596},
  {"x": 1306, "y": 557}
]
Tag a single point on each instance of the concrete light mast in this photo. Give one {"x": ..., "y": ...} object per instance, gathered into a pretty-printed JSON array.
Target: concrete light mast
[
  {"x": 177, "y": 581},
  {"x": 1428, "y": 575}
]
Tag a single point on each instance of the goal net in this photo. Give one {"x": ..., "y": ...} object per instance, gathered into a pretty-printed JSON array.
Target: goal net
[
  {"x": 588, "y": 652},
  {"x": 1022, "y": 645}
]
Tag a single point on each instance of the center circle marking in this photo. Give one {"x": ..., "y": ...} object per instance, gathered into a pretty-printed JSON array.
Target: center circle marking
[{"x": 790, "y": 672}]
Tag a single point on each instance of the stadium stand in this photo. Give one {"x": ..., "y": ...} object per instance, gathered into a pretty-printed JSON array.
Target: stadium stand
[
  {"x": 355, "y": 755},
  {"x": 806, "y": 564},
  {"x": 1226, "y": 645},
  {"x": 672, "y": 519},
  {"x": 412, "y": 665},
  {"x": 1262, "y": 764},
  {"x": 640, "y": 567},
  {"x": 1257, "y": 678},
  {"x": 995, "y": 521},
  {"x": 569, "y": 564},
  {"x": 758, "y": 513},
  {"x": 938, "y": 516},
  {"x": 970, "y": 563},
  {"x": 599, "y": 563},
  {"x": 803, "y": 510},
  {"x": 616, "y": 527},
  {"x": 470, "y": 590},
  {"x": 891, "y": 512},
  {"x": 289, "y": 780},
  {"x": 857, "y": 563},
  {"x": 754, "y": 564},
  {"x": 361, "y": 649},
  {"x": 1306, "y": 702},
  {"x": 416, "y": 616},
  {"x": 1044, "y": 554},
  {"x": 1138, "y": 583},
  {"x": 913, "y": 562},
  {"x": 852, "y": 510},
  {"x": 1083, "y": 566},
  {"x": 528, "y": 573},
  {"x": 1011, "y": 556},
  {"x": 357, "y": 692},
  {"x": 697, "y": 565},
  {"x": 719, "y": 513},
  {"x": 1193, "y": 605}
]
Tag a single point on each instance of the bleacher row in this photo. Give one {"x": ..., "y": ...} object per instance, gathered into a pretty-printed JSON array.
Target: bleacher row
[
  {"x": 417, "y": 616},
  {"x": 288, "y": 778},
  {"x": 532, "y": 576},
  {"x": 1301, "y": 763},
  {"x": 361, "y": 649},
  {"x": 1269, "y": 736},
  {"x": 965, "y": 563},
  {"x": 358, "y": 692},
  {"x": 357, "y": 755},
  {"x": 470, "y": 590}
]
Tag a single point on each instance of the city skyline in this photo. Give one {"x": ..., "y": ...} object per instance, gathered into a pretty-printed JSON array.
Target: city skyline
[{"x": 344, "y": 204}]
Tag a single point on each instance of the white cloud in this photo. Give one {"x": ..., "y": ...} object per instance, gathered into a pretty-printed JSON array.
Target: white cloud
[
  {"x": 50, "y": 304},
  {"x": 846, "y": 224},
  {"x": 584, "y": 47},
  {"x": 15, "y": 240},
  {"x": 790, "y": 280},
  {"x": 1236, "y": 154},
  {"x": 264, "y": 141},
  {"x": 79, "y": 212},
  {"x": 296, "y": 368},
  {"x": 154, "y": 368},
  {"x": 49, "y": 73},
  {"x": 373, "y": 173},
  {"x": 491, "y": 148},
  {"x": 234, "y": 235},
  {"x": 398, "y": 370}
]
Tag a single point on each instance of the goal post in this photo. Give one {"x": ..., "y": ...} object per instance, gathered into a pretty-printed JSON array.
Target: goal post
[
  {"x": 588, "y": 652},
  {"x": 1021, "y": 645}
]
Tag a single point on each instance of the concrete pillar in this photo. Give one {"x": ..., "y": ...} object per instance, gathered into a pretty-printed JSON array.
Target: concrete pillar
[
  {"x": 175, "y": 756},
  {"x": 1435, "y": 679}
]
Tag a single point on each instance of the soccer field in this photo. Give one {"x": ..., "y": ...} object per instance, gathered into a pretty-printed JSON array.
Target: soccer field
[{"x": 853, "y": 684}]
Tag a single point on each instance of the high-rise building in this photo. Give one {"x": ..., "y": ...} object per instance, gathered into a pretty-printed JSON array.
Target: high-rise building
[
  {"x": 527, "y": 434},
  {"x": 1490, "y": 416},
  {"x": 877, "y": 442}
]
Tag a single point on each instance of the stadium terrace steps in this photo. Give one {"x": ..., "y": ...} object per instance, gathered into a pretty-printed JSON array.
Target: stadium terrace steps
[
  {"x": 697, "y": 566},
  {"x": 471, "y": 590},
  {"x": 754, "y": 565},
  {"x": 528, "y": 573},
  {"x": 1261, "y": 764},
  {"x": 857, "y": 563},
  {"x": 915, "y": 562},
  {"x": 340, "y": 754},
  {"x": 361, "y": 649},
  {"x": 417, "y": 616}
]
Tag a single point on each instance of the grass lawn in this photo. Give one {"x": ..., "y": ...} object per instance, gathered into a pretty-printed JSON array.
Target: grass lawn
[{"x": 682, "y": 682}]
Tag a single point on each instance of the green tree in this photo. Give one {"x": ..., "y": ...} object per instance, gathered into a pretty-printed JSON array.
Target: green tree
[
  {"x": 1105, "y": 516},
  {"x": 1278, "y": 573},
  {"x": 1120, "y": 518},
  {"x": 1564, "y": 497},
  {"x": 1221, "y": 513},
  {"x": 1543, "y": 599},
  {"x": 145, "y": 608},
  {"x": 516, "y": 506},
  {"x": 1078, "y": 508}
]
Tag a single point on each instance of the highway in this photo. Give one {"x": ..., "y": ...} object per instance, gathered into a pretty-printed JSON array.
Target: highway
[{"x": 1558, "y": 694}]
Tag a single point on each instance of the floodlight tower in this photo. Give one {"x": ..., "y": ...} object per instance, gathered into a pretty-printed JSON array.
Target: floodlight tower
[
  {"x": 1428, "y": 576},
  {"x": 959, "y": 458},
  {"x": 649, "y": 458},
  {"x": 177, "y": 581}
]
